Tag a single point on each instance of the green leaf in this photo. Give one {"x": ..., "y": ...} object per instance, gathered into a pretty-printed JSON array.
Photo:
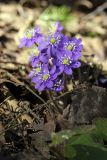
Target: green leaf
[
  {"x": 54, "y": 13},
  {"x": 84, "y": 143},
  {"x": 69, "y": 151},
  {"x": 60, "y": 137},
  {"x": 83, "y": 147},
  {"x": 85, "y": 152},
  {"x": 101, "y": 125},
  {"x": 85, "y": 139}
]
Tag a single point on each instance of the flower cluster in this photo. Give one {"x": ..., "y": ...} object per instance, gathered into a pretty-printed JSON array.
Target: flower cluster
[{"x": 53, "y": 55}]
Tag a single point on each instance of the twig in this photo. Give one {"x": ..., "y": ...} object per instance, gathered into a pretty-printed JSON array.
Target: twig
[
  {"x": 35, "y": 94},
  {"x": 26, "y": 86},
  {"x": 28, "y": 110},
  {"x": 10, "y": 128},
  {"x": 79, "y": 75},
  {"x": 5, "y": 100},
  {"x": 17, "y": 63},
  {"x": 42, "y": 100},
  {"x": 50, "y": 94},
  {"x": 54, "y": 99},
  {"x": 96, "y": 11}
]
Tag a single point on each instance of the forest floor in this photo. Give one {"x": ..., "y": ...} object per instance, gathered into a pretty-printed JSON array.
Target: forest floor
[{"x": 28, "y": 118}]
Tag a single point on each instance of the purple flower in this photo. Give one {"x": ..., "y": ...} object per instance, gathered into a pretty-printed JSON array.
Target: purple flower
[
  {"x": 31, "y": 37},
  {"x": 65, "y": 61},
  {"x": 45, "y": 79},
  {"x": 35, "y": 71},
  {"x": 58, "y": 84},
  {"x": 35, "y": 60},
  {"x": 51, "y": 44},
  {"x": 73, "y": 45},
  {"x": 53, "y": 56},
  {"x": 55, "y": 27}
]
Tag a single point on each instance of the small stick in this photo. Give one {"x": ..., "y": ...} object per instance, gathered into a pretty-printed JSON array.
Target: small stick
[
  {"x": 5, "y": 100},
  {"x": 17, "y": 63},
  {"x": 27, "y": 87},
  {"x": 96, "y": 11},
  {"x": 54, "y": 99}
]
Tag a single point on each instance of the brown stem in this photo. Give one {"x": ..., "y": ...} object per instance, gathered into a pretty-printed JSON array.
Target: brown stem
[{"x": 51, "y": 99}]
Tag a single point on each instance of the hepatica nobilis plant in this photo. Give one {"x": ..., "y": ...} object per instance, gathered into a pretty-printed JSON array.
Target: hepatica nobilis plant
[{"x": 54, "y": 55}]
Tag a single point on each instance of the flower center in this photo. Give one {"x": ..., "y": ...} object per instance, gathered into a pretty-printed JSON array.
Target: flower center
[
  {"x": 38, "y": 69},
  {"x": 29, "y": 34},
  {"x": 35, "y": 51},
  {"x": 66, "y": 61},
  {"x": 53, "y": 29},
  {"x": 45, "y": 77},
  {"x": 53, "y": 40},
  {"x": 70, "y": 47}
]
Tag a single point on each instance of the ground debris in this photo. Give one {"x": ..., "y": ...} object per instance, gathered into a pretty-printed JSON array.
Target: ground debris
[{"x": 88, "y": 103}]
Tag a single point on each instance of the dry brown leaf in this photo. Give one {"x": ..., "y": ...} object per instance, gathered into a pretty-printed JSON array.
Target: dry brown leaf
[
  {"x": 25, "y": 117},
  {"x": 39, "y": 141}
]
